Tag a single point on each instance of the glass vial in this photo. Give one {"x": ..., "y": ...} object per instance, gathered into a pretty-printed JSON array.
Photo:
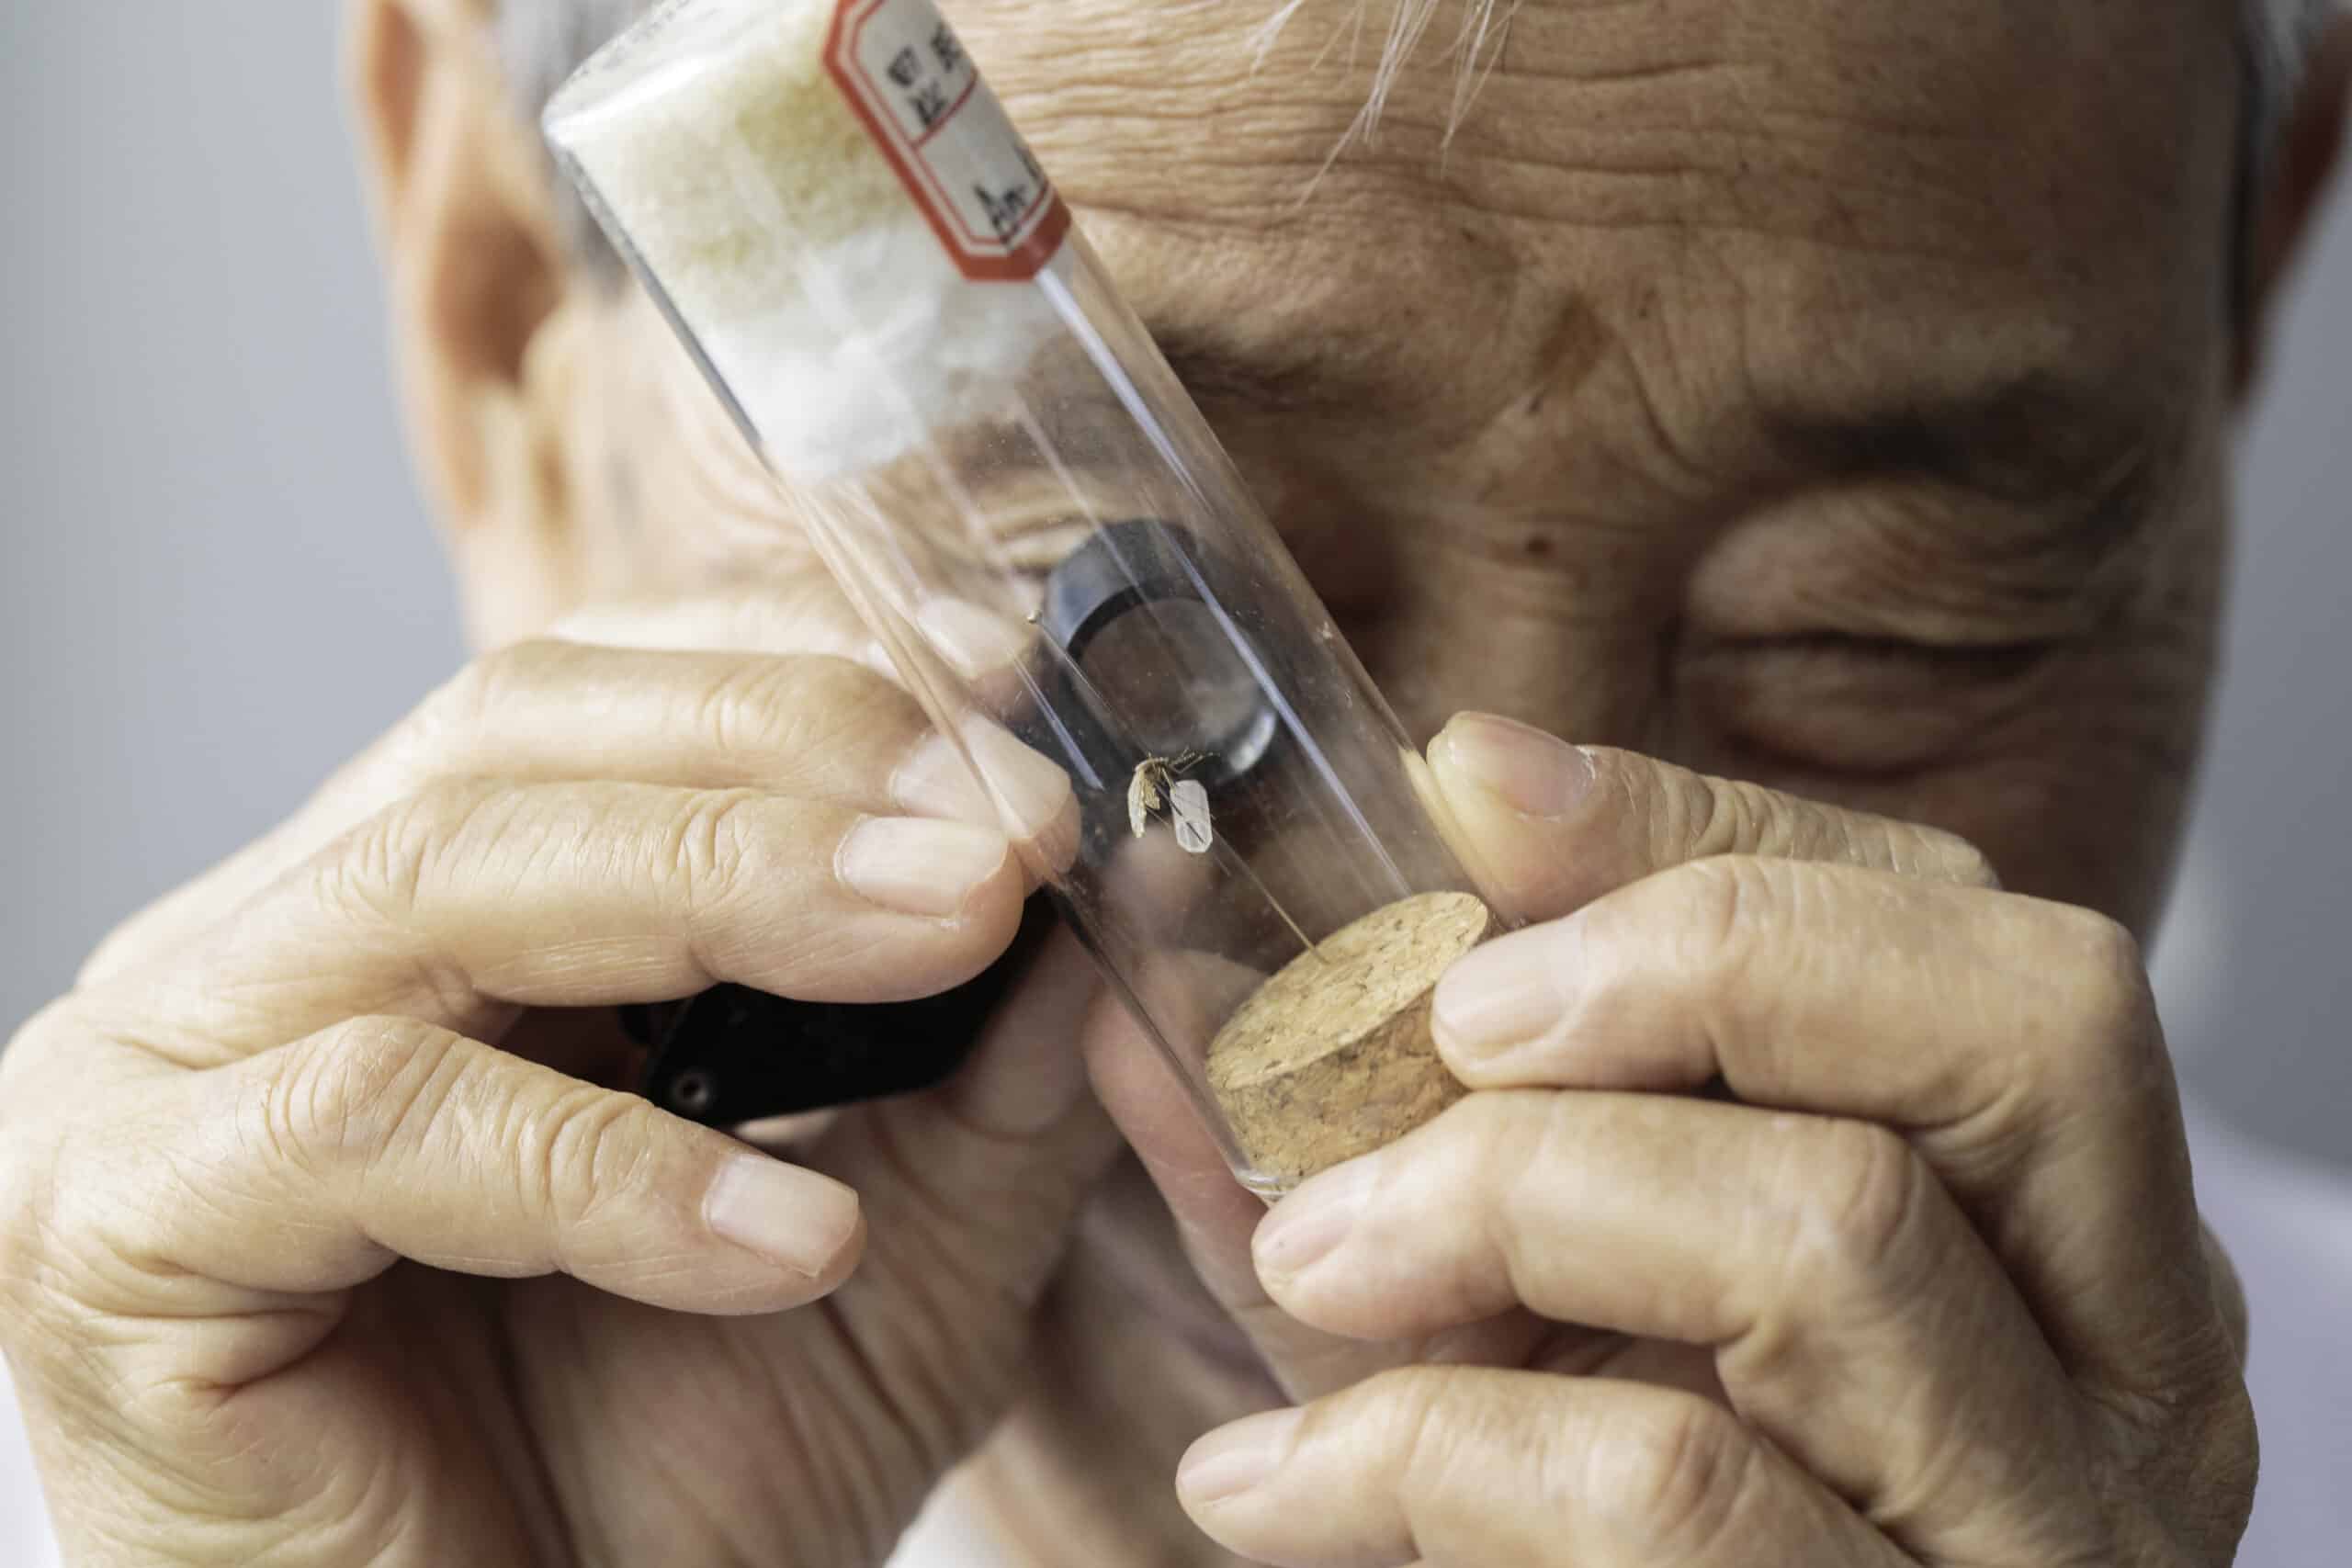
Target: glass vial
[{"x": 1035, "y": 521}]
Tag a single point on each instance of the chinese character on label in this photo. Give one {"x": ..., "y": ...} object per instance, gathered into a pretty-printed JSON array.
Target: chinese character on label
[
  {"x": 1006, "y": 210},
  {"x": 947, "y": 49},
  {"x": 908, "y": 78}
]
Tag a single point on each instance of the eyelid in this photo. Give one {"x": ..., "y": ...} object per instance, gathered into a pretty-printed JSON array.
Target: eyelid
[{"x": 1863, "y": 705}]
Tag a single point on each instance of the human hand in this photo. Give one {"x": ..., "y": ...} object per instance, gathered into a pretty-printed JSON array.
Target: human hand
[
  {"x": 323, "y": 1244},
  {"x": 1931, "y": 1288}
]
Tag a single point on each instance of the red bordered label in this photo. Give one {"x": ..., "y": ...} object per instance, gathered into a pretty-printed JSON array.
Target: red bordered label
[{"x": 903, "y": 69}]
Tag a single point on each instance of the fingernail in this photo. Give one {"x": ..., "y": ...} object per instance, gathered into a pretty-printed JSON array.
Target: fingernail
[
  {"x": 977, "y": 642},
  {"x": 1308, "y": 1226},
  {"x": 937, "y": 780},
  {"x": 1234, "y": 1459},
  {"x": 919, "y": 866},
  {"x": 1500, "y": 996},
  {"x": 1533, "y": 773},
  {"x": 791, "y": 1216}
]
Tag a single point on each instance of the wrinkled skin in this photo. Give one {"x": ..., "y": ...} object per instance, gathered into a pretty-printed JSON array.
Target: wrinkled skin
[{"x": 1824, "y": 395}]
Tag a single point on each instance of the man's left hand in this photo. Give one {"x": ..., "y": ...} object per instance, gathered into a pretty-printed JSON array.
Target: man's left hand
[{"x": 1922, "y": 1280}]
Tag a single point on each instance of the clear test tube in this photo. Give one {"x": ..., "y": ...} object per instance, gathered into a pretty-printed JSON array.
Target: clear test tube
[{"x": 1012, "y": 488}]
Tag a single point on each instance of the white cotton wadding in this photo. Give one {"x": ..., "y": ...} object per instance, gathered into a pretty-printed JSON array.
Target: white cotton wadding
[
  {"x": 727, "y": 161},
  {"x": 883, "y": 343}
]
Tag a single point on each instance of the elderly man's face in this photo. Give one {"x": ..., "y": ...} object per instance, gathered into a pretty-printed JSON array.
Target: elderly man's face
[
  {"x": 1828, "y": 392},
  {"x": 1824, "y": 391},
  {"x": 1821, "y": 389}
]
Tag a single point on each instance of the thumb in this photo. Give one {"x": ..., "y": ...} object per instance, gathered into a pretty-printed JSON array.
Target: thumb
[{"x": 1550, "y": 827}]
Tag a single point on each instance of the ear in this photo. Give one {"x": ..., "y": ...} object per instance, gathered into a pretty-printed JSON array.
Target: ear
[
  {"x": 487, "y": 320},
  {"x": 2302, "y": 172}
]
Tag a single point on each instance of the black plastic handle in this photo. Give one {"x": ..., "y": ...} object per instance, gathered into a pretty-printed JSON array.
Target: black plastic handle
[{"x": 733, "y": 1055}]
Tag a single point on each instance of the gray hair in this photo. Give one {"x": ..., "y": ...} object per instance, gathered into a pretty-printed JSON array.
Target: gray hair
[{"x": 542, "y": 42}]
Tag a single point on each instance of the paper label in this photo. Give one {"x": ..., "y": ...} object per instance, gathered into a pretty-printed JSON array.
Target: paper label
[{"x": 907, "y": 76}]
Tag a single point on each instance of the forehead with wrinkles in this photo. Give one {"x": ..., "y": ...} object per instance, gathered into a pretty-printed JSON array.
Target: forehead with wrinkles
[
  {"x": 1900, "y": 204},
  {"x": 1826, "y": 391}
]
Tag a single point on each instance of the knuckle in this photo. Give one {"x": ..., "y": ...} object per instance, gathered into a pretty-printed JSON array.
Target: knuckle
[
  {"x": 36, "y": 1049},
  {"x": 1671, "y": 1474},
  {"x": 2229, "y": 1293},
  {"x": 444, "y": 729},
  {"x": 1531, "y": 1137},
  {"x": 35, "y": 1138},
  {"x": 1859, "y": 1222},
  {"x": 498, "y": 680},
  {"x": 1407, "y": 1405},
  {"x": 765, "y": 709},
  {"x": 452, "y": 713},
  {"x": 383, "y": 866},
  {"x": 1751, "y": 819},
  {"x": 1708, "y": 816},
  {"x": 64, "y": 1236},
  {"x": 351, "y": 1093},
  {"x": 1498, "y": 1155},
  {"x": 1728, "y": 900},
  {"x": 2108, "y": 963},
  {"x": 24, "y": 1231},
  {"x": 712, "y": 841},
  {"x": 2111, "y": 1041},
  {"x": 451, "y": 733},
  {"x": 749, "y": 711},
  {"x": 579, "y": 1149}
]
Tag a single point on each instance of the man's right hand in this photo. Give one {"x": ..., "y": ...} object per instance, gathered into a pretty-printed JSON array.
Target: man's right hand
[{"x": 323, "y": 1240}]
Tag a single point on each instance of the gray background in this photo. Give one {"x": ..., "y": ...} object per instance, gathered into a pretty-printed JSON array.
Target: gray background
[{"x": 215, "y": 580}]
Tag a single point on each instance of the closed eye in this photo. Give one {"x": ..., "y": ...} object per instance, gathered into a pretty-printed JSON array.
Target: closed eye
[{"x": 1860, "y": 704}]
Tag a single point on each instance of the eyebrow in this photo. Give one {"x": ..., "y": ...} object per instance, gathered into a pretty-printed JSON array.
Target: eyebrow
[
  {"x": 2057, "y": 495},
  {"x": 2021, "y": 440}
]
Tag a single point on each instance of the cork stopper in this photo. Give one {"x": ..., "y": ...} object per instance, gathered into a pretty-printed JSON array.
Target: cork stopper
[{"x": 1332, "y": 1058}]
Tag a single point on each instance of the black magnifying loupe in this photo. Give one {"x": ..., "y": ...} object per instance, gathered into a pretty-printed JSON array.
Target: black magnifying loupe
[{"x": 1140, "y": 623}]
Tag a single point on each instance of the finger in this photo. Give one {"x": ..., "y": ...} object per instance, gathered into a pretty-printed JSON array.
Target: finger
[
  {"x": 1552, "y": 827},
  {"x": 985, "y": 650},
  {"x": 821, "y": 727},
  {"x": 1857, "y": 1320},
  {"x": 799, "y": 613},
  {"x": 808, "y": 618},
  {"x": 479, "y": 897},
  {"x": 2014, "y": 1040},
  {"x": 312, "y": 1167},
  {"x": 1463, "y": 1469}
]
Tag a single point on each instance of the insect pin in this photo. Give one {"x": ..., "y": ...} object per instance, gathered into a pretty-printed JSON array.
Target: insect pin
[{"x": 1159, "y": 784}]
